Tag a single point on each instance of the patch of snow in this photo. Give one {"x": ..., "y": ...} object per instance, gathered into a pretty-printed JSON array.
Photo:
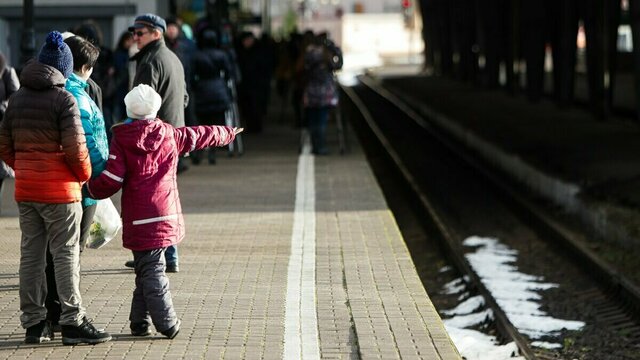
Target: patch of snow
[
  {"x": 474, "y": 345},
  {"x": 454, "y": 287},
  {"x": 468, "y": 320},
  {"x": 515, "y": 292},
  {"x": 466, "y": 307}
]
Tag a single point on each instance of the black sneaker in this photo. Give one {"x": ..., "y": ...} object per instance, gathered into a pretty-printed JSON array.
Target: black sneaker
[
  {"x": 172, "y": 331},
  {"x": 172, "y": 268},
  {"x": 140, "y": 329},
  {"x": 130, "y": 264},
  {"x": 39, "y": 333},
  {"x": 84, "y": 333}
]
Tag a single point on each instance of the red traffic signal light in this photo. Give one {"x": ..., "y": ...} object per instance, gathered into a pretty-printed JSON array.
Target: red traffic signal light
[{"x": 406, "y": 4}]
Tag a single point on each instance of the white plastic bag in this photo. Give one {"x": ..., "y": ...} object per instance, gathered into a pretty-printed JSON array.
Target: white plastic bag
[
  {"x": 106, "y": 224},
  {"x": 6, "y": 171}
]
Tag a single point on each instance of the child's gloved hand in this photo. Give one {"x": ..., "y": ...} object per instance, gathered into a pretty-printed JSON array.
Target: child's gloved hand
[{"x": 237, "y": 130}]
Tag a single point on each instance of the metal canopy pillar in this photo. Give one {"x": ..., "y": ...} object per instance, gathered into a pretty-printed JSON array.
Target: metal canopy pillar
[
  {"x": 266, "y": 16},
  {"x": 634, "y": 13},
  {"x": 28, "y": 41}
]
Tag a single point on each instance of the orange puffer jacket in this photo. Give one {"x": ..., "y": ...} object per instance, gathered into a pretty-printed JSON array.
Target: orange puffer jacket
[{"x": 42, "y": 139}]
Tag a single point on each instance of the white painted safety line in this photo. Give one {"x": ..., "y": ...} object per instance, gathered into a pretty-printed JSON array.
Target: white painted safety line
[{"x": 301, "y": 320}]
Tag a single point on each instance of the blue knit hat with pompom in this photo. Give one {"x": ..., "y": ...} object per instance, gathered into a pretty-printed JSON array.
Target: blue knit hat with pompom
[{"x": 56, "y": 53}]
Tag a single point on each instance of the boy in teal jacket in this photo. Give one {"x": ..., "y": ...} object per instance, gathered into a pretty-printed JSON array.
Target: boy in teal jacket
[{"x": 85, "y": 56}]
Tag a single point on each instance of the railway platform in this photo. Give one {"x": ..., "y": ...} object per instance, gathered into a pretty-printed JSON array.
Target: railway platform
[
  {"x": 287, "y": 256},
  {"x": 586, "y": 166}
]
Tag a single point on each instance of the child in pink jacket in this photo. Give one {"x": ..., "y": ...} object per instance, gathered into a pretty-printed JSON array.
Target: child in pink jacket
[{"x": 143, "y": 159}]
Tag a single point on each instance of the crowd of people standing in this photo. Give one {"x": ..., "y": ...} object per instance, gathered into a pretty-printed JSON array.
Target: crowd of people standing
[
  {"x": 79, "y": 109},
  {"x": 222, "y": 68}
]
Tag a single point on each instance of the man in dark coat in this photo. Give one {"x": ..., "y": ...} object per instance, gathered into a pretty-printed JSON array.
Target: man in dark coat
[{"x": 158, "y": 67}]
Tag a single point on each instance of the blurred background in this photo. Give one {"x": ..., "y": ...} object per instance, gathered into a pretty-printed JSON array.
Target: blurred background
[
  {"x": 370, "y": 32},
  {"x": 572, "y": 51}
]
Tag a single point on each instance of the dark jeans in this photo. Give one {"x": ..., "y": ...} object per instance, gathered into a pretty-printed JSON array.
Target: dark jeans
[
  {"x": 317, "y": 120},
  {"x": 171, "y": 255},
  {"x": 151, "y": 300}
]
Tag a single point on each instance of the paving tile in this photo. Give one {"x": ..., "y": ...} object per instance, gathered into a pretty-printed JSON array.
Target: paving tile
[{"x": 231, "y": 291}]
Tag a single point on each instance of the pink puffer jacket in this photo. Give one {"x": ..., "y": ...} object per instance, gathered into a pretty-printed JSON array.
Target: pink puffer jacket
[{"x": 142, "y": 161}]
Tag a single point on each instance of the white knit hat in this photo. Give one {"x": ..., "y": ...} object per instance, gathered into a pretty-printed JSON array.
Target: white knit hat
[{"x": 142, "y": 102}]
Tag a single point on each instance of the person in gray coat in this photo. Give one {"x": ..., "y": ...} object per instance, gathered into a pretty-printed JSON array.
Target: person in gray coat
[{"x": 158, "y": 67}]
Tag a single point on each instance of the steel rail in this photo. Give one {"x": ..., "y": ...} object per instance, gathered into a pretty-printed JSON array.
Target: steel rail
[
  {"x": 556, "y": 233},
  {"x": 451, "y": 245}
]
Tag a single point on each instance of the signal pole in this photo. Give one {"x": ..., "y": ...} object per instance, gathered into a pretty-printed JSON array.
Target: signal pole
[{"x": 409, "y": 23}]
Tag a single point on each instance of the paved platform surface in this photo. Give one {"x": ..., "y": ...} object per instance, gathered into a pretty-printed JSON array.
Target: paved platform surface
[
  {"x": 285, "y": 257},
  {"x": 589, "y": 166}
]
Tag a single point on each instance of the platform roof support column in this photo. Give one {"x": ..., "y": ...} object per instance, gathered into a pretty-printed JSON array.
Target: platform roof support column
[
  {"x": 564, "y": 52},
  {"x": 28, "y": 41},
  {"x": 428, "y": 33},
  {"x": 464, "y": 36},
  {"x": 437, "y": 34},
  {"x": 613, "y": 14},
  {"x": 533, "y": 49},
  {"x": 266, "y": 16},
  {"x": 634, "y": 15},
  {"x": 594, "y": 33}
]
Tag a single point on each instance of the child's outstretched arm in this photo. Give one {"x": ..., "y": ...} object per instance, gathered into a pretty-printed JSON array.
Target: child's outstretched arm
[
  {"x": 111, "y": 179},
  {"x": 192, "y": 138}
]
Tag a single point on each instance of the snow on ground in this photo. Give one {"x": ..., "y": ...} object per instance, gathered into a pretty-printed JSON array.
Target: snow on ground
[
  {"x": 454, "y": 287},
  {"x": 466, "y": 307},
  {"x": 474, "y": 345},
  {"x": 516, "y": 292}
]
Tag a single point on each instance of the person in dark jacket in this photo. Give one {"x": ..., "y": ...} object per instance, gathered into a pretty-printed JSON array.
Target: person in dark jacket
[
  {"x": 9, "y": 84},
  {"x": 120, "y": 77},
  {"x": 142, "y": 162},
  {"x": 184, "y": 48},
  {"x": 42, "y": 139},
  {"x": 320, "y": 92},
  {"x": 249, "y": 91},
  {"x": 212, "y": 71},
  {"x": 160, "y": 68}
]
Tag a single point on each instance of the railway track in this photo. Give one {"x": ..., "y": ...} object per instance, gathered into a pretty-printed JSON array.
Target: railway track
[{"x": 433, "y": 167}]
